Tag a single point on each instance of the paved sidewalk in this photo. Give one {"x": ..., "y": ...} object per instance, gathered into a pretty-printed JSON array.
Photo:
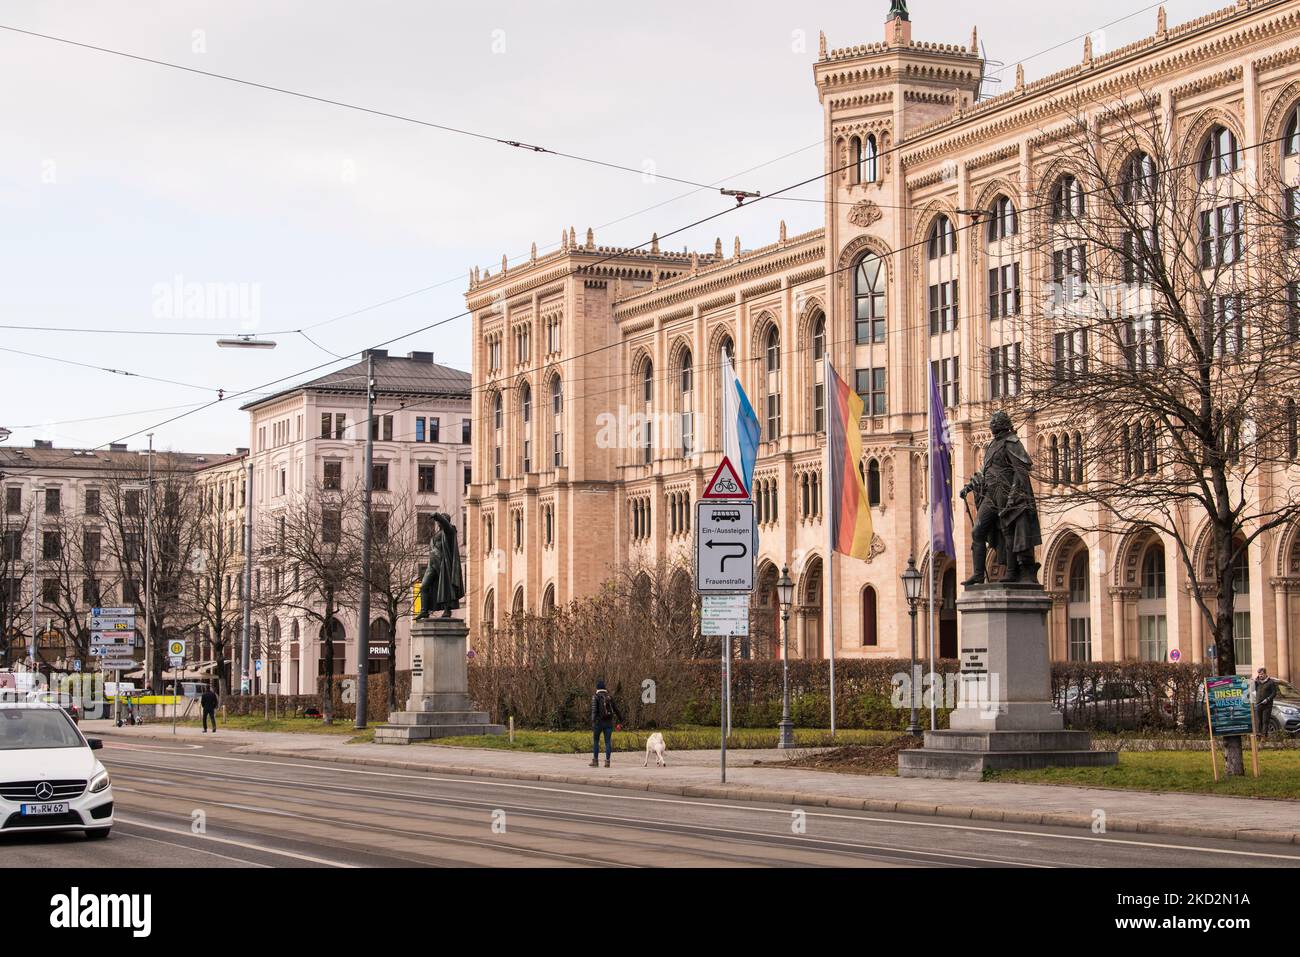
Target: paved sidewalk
[{"x": 695, "y": 774}]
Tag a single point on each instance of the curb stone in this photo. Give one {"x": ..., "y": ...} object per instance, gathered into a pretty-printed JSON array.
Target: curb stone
[{"x": 773, "y": 796}]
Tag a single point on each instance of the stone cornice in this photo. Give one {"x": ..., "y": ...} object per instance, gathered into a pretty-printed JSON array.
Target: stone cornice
[
  {"x": 731, "y": 275},
  {"x": 1131, "y": 67}
]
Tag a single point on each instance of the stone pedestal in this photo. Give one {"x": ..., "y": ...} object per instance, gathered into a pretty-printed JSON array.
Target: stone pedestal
[
  {"x": 1004, "y": 717},
  {"x": 439, "y": 705}
]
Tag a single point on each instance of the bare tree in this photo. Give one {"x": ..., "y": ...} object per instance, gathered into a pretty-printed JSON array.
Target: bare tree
[
  {"x": 173, "y": 520},
  {"x": 212, "y": 599},
  {"x": 315, "y": 539},
  {"x": 74, "y": 577},
  {"x": 1167, "y": 351},
  {"x": 14, "y": 570},
  {"x": 398, "y": 552}
]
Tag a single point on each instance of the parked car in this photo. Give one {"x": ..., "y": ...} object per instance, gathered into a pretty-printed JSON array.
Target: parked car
[
  {"x": 50, "y": 779},
  {"x": 1115, "y": 706},
  {"x": 59, "y": 699},
  {"x": 1285, "y": 717}
]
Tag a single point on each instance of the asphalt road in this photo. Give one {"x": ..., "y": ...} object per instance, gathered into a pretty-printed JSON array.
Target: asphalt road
[{"x": 254, "y": 811}]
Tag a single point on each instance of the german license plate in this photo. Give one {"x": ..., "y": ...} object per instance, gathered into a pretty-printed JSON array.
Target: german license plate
[{"x": 35, "y": 810}]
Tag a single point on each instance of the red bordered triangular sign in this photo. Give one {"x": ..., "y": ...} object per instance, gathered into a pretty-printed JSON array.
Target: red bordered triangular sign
[{"x": 725, "y": 483}]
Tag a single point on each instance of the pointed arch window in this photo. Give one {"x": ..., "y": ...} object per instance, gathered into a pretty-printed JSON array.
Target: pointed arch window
[
  {"x": 1002, "y": 219},
  {"x": 557, "y": 419},
  {"x": 1220, "y": 155},
  {"x": 686, "y": 409},
  {"x": 647, "y": 399},
  {"x": 497, "y": 423},
  {"x": 869, "y": 299},
  {"x": 819, "y": 386},
  {"x": 1139, "y": 185},
  {"x": 942, "y": 240},
  {"x": 1067, "y": 199},
  {"x": 869, "y": 161},
  {"x": 1291, "y": 142},
  {"x": 526, "y": 409},
  {"x": 772, "y": 392}
]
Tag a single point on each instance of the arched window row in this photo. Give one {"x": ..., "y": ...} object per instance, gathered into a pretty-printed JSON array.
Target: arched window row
[
  {"x": 1066, "y": 454},
  {"x": 810, "y": 495},
  {"x": 639, "y": 518},
  {"x": 679, "y": 513},
  {"x": 1138, "y": 449},
  {"x": 766, "y": 500},
  {"x": 548, "y": 524},
  {"x": 864, "y": 153}
]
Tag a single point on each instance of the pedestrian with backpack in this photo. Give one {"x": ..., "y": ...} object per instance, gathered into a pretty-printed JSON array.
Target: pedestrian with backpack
[{"x": 605, "y": 717}]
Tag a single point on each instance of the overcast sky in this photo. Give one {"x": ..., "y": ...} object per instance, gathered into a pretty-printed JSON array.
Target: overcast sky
[{"x": 120, "y": 180}]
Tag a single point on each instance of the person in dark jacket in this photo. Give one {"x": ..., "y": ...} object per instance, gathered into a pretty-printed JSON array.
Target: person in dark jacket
[
  {"x": 1265, "y": 692},
  {"x": 605, "y": 716},
  {"x": 209, "y": 703}
]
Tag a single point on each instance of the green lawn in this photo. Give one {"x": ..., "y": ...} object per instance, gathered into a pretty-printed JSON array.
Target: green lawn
[
  {"x": 1279, "y": 774},
  {"x": 692, "y": 738},
  {"x": 250, "y": 722}
]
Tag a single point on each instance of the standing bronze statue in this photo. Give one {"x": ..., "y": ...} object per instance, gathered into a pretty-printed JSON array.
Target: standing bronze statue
[
  {"x": 443, "y": 586},
  {"x": 1006, "y": 516}
]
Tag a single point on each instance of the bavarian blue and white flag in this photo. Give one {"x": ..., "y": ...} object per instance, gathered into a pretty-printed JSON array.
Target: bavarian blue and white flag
[{"x": 740, "y": 429}]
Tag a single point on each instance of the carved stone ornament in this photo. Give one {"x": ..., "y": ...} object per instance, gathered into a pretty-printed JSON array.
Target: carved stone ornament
[{"x": 864, "y": 213}]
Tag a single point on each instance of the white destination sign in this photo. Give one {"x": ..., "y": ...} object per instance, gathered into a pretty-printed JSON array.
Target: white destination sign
[{"x": 724, "y": 546}]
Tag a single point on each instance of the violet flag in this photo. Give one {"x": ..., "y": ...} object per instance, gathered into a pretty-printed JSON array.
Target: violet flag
[{"x": 940, "y": 474}]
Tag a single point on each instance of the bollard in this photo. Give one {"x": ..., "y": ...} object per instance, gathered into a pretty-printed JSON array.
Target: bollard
[{"x": 512, "y": 729}]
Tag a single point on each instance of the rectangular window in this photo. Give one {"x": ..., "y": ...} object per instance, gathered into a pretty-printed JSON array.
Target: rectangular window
[
  {"x": 92, "y": 501},
  {"x": 326, "y": 425},
  {"x": 1080, "y": 638},
  {"x": 1144, "y": 344},
  {"x": 331, "y": 526},
  {"x": 381, "y": 428},
  {"x": 1140, "y": 253},
  {"x": 90, "y": 593},
  {"x": 1070, "y": 272},
  {"x": 50, "y": 590},
  {"x": 435, "y": 429},
  {"x": 1223, "y": 326},
  {"x": 91, "y": 547},
  {"x": 1004, "y": 291},
  {"x": 1241, "y": 640},
  {"x": 496, "y": 462},
  {"x": 1293, "y": 310},
  {"x": 379, "y": 477},
  {"x": 465, "y": 431},
  {"x": 469, "y": 477},
  {"x": 13, "y": 500},
  {"x": 943, "y": 307},
  {"x": 945, "y": 374},
  {"x": 12, "y": 547},
  {"x": 1070, "y": 355},
  {"x": 51, "y": 545},
  {"x": 1292, "y": 203},
  {"x": 427, "y": 478},
  {"x": 1222, "y": 235},
  {"x": 333, "y": 477},
  {"x": 53, "y": 501},
  {"x": 1153, "y": 641},
  {"x": 419, "y": 428},
  {"x": 1004, "y": 371},
  {"x": 132, "y": 546},
  {"x": 870, "y": 385}
]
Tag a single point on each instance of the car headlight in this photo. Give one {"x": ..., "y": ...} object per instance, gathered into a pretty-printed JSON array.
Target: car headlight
[
  {"x": 100, "y": 782},
  {"x": 1289, "y": 711}
]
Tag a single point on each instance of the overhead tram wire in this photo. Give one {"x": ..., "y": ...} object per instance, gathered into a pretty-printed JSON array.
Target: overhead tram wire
[
  {"x": 342, "y": 104},
  {"x": 699, "y": 186},
  {"x": 615, "y": 254}
]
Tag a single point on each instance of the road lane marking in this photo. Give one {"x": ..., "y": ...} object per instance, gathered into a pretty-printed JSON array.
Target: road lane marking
[
  {"x": 576, "y": 816},
  {"x": 186, "y": 847},
  {"x": 741, "y": 805},
  {"x": 225, "y": 840}
]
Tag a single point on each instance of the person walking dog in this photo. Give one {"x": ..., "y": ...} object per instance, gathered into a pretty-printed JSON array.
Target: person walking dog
[
  {"x": 209, "y": 703},
  {"x": 605, "y": 717}
]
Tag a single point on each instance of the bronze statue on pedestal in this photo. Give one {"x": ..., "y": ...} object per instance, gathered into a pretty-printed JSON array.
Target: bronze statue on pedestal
[
  {"x": 443, "y": 585},
  {"x": 1006, "y": 515}
]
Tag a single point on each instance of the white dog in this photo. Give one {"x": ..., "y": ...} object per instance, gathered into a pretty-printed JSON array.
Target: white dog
[{"x": 655, "y": 745}]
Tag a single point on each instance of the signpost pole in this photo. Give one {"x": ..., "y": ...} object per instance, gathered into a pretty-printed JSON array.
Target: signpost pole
[{"x": 726, "y": 702}]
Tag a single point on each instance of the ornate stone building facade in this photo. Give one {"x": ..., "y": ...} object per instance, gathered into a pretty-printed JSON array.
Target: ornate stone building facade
[{"x": 596, "y": 369}]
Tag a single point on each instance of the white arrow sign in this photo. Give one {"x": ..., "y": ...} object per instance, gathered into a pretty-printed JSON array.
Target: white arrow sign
[{"x": 725, "y": 542}]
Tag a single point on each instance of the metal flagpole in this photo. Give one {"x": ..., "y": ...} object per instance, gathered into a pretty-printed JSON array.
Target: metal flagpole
[{"x": 830, "y": 535}]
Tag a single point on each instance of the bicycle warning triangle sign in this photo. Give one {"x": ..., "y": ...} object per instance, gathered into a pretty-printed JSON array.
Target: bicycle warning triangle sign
[{"x": 725, "y": 483}]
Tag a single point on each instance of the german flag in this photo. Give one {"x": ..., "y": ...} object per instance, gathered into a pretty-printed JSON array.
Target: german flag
[{"x": 850, "y": 515}]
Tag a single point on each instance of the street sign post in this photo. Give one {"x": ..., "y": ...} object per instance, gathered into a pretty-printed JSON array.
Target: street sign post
[
  {"x": 176, "y": 656},
  {"x": 724, "y": 546},
  {"x": 726, "y": 540}
]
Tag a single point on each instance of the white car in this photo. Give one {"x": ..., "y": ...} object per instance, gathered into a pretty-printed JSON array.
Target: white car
[{"x": 50, "y": 779}]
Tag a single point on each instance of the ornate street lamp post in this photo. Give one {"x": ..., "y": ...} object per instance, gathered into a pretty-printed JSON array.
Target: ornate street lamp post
[
  {"x": 912, "y": 589},
  {"x": 785, "y": 594}
]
